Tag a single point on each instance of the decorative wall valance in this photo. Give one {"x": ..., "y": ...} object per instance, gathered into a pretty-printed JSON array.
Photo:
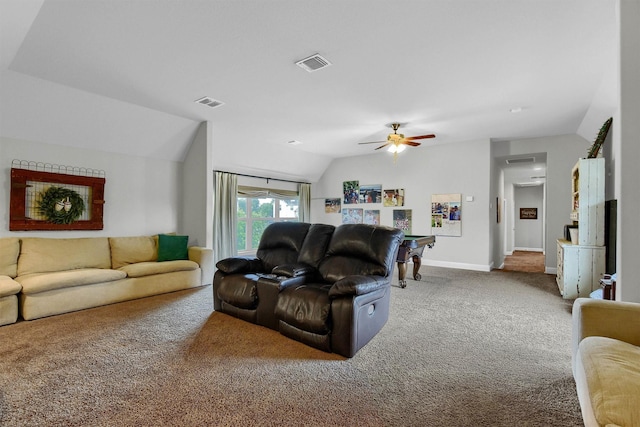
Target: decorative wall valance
[{"x": 273, "y": 193}]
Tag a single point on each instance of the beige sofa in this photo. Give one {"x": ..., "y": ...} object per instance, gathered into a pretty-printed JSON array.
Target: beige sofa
[
  {"x": 606, "y": 361},
  {"x": 55, "y": 276},
  {"x": 9, "y": 288}
]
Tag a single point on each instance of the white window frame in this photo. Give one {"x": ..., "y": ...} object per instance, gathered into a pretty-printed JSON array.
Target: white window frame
[{"x": 249, "y": 219}]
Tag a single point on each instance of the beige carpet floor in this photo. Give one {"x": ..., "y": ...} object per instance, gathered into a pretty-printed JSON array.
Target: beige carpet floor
[{"x": 460, "y": 349}]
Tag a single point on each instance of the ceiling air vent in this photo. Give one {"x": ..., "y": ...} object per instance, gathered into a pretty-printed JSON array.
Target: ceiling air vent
[
  {"x": 520, "y": 160},
  {"x": 210, "y": 102},
  {"x": 313, "y": 63}
]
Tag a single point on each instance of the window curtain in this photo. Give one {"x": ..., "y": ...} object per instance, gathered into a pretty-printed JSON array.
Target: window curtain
[
  {"x": 304, "y": 202},
  {"x": 225, "y": 214}
]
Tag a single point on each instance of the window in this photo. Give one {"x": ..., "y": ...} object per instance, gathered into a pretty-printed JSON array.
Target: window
[{"x": 256, "y": 213}]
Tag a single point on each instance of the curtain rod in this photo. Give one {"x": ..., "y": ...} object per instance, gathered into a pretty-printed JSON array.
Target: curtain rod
[{"x": 263, "y": 177}]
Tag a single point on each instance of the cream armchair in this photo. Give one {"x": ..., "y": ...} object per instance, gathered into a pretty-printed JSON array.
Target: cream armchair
[{"x": 606, "y": 361}]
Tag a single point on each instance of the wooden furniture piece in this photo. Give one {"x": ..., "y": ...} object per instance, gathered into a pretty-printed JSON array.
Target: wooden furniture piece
[
  {"x": 412, "y": 248},
  {"x": 581, "y": 265}
]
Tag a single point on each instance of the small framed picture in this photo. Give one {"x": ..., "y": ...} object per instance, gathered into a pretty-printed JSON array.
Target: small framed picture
[{"x": 528, "y": 213}]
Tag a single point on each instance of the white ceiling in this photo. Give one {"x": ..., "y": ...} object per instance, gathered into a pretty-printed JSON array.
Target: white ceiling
[{"x": 123, "y": 76}]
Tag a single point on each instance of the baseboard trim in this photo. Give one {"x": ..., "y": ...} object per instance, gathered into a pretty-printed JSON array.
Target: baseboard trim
[
  {"x": 458, "y": 265},
  {"x": 529, "y": 249}
]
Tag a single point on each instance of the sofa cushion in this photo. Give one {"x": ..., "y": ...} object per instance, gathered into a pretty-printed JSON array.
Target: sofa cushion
[
  {"x": 307, "y": 307},
  {"x": 360, "y": 249},
  {"x": 41, "y": 255},
  {"x": 130, "y": 250},
  {"x": 281, "y": 243},
  {"x": 141, "y": 269},
  {"x": 612, "y": 370},
  {"x": 8, "y": 286},
  {"x": 9, "y": 250},
  {"x": 239, "y": 290},
  {"x": 172, "y": 248},
  {"x": 40, "y": 282}
]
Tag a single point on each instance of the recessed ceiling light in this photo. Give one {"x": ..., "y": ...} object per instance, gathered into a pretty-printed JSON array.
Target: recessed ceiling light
[
  {"x": 294, "y": 142},
  {"x": 516, "y": 110}
]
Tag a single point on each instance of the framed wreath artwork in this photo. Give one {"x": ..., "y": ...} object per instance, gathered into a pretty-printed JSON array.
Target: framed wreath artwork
[{"x": 43, "y": 200}]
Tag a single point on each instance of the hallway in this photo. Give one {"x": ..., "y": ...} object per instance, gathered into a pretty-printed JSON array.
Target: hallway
[{"x": 528, "y": 261}]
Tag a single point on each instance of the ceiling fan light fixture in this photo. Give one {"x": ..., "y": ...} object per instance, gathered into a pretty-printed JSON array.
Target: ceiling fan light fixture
[{"x": 396, "y": 148}]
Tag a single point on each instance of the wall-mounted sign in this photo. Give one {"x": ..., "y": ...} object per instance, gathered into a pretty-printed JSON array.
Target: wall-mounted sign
[{"x": 528, "y": 213}]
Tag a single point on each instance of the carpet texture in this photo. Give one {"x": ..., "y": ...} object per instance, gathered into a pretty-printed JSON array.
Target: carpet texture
[{"x": 461, "y": 348}]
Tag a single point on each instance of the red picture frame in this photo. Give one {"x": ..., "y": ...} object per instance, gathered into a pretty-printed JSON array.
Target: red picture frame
[{"x": 18, "y": 220}]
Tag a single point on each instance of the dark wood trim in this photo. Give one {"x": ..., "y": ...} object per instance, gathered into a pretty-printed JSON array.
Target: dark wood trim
[{"x": 17, "y": 215}]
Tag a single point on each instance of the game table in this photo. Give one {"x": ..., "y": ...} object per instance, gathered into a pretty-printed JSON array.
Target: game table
[{"x": 412, "y": 248}]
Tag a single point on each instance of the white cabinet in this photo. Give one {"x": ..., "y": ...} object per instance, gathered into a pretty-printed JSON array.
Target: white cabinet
[
  {"x": 580, "y": 268},
  {"x": 587, "y": 199}
]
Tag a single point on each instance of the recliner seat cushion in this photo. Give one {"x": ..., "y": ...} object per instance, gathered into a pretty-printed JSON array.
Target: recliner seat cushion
[
  {"x": 239, "y": 290},
  {"x": 306, "y": 307}
]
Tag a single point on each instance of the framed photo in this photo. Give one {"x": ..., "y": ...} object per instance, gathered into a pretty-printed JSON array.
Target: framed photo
[
  {"x": 446, "y": 214},
  {"x": 528, "y": 213},
  {"x": 372, "y": 216},
  {"x": 393, "y": 198},
  {"x": 370, "y": 193},
  {"x": 352, "y": 215},
  {"x": 402, "y": 220},
  {"x": 332, "y": 205},
  {"x": 351, "y": 192}
]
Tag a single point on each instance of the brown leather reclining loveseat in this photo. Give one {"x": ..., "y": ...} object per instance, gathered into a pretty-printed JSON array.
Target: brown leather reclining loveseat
[{"x": 328, "y": 287}]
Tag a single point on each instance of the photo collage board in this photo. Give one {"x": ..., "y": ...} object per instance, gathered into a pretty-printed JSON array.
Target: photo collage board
[{"x": 445, "y": 209}]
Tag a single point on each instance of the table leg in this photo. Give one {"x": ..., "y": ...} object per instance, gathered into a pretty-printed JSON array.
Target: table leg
[
  {"x": 417, "y": 261},
  {"x": 402, "y": 273}
]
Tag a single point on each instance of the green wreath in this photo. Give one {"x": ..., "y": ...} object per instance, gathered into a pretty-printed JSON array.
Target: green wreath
[{"x": 61, "y": 205}]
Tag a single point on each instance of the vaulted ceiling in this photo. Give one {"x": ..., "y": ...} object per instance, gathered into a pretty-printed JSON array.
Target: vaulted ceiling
[{"x": 123, "y": 75}]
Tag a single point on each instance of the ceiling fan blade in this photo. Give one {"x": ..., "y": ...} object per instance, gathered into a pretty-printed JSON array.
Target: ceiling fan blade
[
  {"x": 410, "y": 143},
  {"x": 382, "y": 146},
  {"x": 411, "y": 138},
  {"x": 371, "y": 142}
]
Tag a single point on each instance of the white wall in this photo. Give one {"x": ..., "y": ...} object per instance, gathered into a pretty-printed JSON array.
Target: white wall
[
  {"x": 453, "y": 168},
  {"x": 628, "y": 153},
  {"x": 528, "y": 232},
  {"x": 197, "y": 189},
  {"x": 141, "y": 195}
]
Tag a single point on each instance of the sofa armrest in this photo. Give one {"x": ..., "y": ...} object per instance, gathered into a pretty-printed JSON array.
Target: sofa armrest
[
  {"x": 357, "y": 285},
  {"x": 204, "y": 258},
  {"x": 235, "y": 265},
  {"x": 604, "y": 318},
  {"x": 293, "y": 270}
]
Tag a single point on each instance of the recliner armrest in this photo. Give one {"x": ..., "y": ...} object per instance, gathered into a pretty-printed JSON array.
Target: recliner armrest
[
  {"x": 357, "y": 285},
  {"x": 236, "y": 265},
  {"x": 293, "y": 270}
]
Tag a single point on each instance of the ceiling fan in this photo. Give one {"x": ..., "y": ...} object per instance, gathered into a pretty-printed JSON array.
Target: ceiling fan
[{"x": 397, "y": 141}]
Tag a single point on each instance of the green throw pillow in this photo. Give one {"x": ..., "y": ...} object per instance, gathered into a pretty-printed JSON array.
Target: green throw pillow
[{"x": 171, "y": 247}]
